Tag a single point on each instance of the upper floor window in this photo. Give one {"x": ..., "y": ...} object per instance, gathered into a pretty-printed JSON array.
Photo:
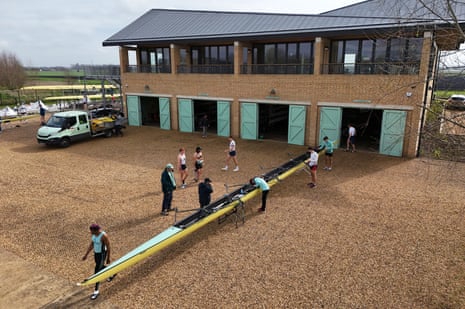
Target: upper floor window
[
  {"x": 155, "y": 60},
  {"x": 379, "y": 56},
  {"x": 210, "y": 59},
  {"x": 282, "y": 58}
]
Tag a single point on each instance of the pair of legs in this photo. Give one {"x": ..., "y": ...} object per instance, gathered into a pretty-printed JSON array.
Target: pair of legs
[
  {"x": 264, "y": 196},
  {"x": 166, "y": 206},
  {"x": 231, "y": 156},
  {"x": 328, "y": 161},
  {"x": 313, "y": 176},
  {"x": 351, "y": 142},
  {"x": 99, "y": 265},
  {"x": 198, "y": 171},
  {"x": 183, "y": 173},
  {"x": 204, "y": 131}
]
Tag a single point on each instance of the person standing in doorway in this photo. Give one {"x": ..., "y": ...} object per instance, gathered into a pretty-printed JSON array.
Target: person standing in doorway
[
  {"x": 100, "y": 243},
  {"x": 263, "y": 185},
  {"x": 204, "y": 124},
  {"x": 328, "y": 146},
  {"x": 312, "y": 162},
  {"x": 351, "y": 138},
  {"x": 232, "y": 154},
  {"x": 205, "y": 191},
  {"x": 198, "y": 163},
  {"x": 182, "y": 166},
  {"x": 168, "y": 185}
]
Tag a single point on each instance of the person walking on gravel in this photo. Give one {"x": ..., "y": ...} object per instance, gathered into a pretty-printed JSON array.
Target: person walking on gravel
[
  {"x": 198, "y": 163},
  {"x": 313, "y": 164},
  {"x": 232, "y": 154},
  {"x": 182, "y": 166},
  {"x": 205, "y": 191},
  {"x": 100, "y": 244}
]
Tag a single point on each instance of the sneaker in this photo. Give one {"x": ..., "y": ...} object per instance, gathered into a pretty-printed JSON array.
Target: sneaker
[
  {"x": 329, "y": 168},
  {"x": 236, "y": 169},
  {"x": 225, "y": 168},
  {"x": 111, "y": 278},
  {"x": 261, "y": 210},
  {"x": 183, "y": 186},
  {"x": 325, "y": 168},
  {"x": 312, "y": 185},
  {"x": 94, "y": 295},
  {"x": 164, "y": 213}
]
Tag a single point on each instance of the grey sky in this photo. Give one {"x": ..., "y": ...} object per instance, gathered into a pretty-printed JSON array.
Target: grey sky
[{"x": 63, "y": 33}]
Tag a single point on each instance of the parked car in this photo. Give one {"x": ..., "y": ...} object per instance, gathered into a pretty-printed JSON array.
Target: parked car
[{"x": 456, "y": 101}]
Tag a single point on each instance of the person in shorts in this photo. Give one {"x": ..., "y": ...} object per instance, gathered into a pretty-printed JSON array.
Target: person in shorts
[
  {"x": 232, "y": 154},
  {"x": 351, "y": 138},
  {"x": 198, "y": 163},
  {"x": 312, "y": 162},
  {"x": 328, "y": 146},
  {"x": 182, "y": 167}
]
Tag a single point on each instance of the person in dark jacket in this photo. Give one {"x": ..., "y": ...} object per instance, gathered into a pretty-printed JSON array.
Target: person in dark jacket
[
  {"x": 205, "y": 191},
  {"x": 168, "y": 185}
]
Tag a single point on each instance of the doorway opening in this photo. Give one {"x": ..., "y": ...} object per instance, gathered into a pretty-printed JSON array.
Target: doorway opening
[
  {"x": 209, "y": 108},
  {"x": 367, "y": 123},
  {"x": 150, "y": 111},
  {"x": 273, "y": 121}
]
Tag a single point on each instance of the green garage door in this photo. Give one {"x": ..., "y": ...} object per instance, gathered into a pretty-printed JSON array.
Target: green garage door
[
  {"x": 392, "y": 133},
  {"x": 186, "y": 115},
  {"x": 223, "y": 118},
  {"x": 330, "y": 124},
  {"x": 134, "y": 115},
  {"x": 296, "y": 131},
  {"x": 249, "y": 121},
  {"x": 165, "y": 115}
]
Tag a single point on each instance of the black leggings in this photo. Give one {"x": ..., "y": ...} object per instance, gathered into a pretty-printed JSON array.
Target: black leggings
[{"x": 99, "y": 264}]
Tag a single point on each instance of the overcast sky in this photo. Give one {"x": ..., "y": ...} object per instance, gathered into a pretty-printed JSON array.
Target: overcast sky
[{"x": 64, "y": 32}]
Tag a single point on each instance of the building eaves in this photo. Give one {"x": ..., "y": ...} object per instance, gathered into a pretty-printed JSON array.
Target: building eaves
[{"x": 163, "y": 25}]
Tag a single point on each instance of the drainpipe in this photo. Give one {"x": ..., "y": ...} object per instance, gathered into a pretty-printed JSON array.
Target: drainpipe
[{"x": 425, "y": 95}]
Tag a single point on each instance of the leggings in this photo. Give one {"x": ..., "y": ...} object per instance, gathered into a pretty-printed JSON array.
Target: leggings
[{"x": 99, "y": 264}]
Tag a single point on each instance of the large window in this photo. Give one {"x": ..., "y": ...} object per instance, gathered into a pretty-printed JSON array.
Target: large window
[
  {"x": 282, "y": 58},
  {"x": 211, "y": 59},
  {"x": 155, "y": 60},
  {"x": 380, "y": 56}
]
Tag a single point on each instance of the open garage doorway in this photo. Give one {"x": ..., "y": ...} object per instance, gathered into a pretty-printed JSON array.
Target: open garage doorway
[
  {"x": 367, "y": 122},
  {"x": 150, "y": 111},
  {"x": 273, "y": 121},
  {"x": 209, "y": 108}
]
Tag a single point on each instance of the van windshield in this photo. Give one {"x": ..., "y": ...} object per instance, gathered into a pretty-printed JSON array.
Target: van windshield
[{"x": 60, "y": 122}]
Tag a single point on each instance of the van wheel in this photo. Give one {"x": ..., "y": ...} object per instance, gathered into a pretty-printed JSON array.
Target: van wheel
[{"x": 65, "y": 142}]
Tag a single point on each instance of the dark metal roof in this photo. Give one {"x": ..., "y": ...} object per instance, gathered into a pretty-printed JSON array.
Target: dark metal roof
[{"x": 175, "y": 26}]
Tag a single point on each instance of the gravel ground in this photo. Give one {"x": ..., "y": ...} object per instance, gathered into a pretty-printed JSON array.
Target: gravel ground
[{"x": 377, "y": 232}]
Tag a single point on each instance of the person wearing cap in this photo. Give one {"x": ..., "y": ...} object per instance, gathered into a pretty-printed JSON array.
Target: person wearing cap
[
  {"x": 263, "y": 185},
  {"x": 205, "y": 191},
  {"x": 100, "y": 243},
  {"x": 312, "y": 162},
  {"x": 198, "y": 163},
  {"x": 168, "y": 185}
]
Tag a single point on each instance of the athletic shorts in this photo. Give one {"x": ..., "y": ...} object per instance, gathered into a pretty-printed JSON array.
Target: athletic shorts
[
  {"x": 352, "y": 140},
  {"x": 328, "y": 154},
  {"x": 183, "y": 167},
  {"x": 313, "y": 167},
  {"x": 198, "y": 164},
  {"x": 232, "y": 153}
]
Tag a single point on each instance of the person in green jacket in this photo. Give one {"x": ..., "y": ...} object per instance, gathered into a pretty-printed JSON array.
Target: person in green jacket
[{"x": 168, "y": 185}]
